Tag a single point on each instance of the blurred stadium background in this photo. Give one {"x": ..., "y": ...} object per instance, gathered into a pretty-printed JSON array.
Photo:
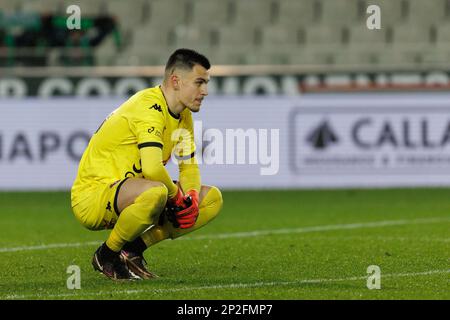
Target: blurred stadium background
[
  {"x": 354, "y": 108},
  {"x": 414, "y": 33}
]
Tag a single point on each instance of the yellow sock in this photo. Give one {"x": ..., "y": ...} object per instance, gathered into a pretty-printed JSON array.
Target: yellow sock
[
  {"x": 134, "y": 219},
  {"x": 208, "y": 210}
]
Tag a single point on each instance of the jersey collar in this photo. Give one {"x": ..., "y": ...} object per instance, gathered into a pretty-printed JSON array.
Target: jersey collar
[{"x": 173, "y": 115}]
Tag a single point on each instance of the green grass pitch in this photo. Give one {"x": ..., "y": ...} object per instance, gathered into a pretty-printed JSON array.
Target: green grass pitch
[{"x": 264, "y": 245}]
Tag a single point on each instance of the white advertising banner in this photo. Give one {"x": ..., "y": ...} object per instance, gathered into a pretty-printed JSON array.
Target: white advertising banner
[{"x": 343, "y": 140}]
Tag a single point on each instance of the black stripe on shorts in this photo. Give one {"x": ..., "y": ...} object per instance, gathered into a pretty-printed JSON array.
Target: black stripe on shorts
[{"x": 117, "y": 195}]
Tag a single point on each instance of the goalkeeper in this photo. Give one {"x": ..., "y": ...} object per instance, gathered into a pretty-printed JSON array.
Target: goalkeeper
[{"x": 122, "y": 183}]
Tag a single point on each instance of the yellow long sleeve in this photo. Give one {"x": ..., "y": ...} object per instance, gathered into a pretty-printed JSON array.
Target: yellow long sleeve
[
  {"x": 153, "y": 169},
  {"x": 189, "y": 175}
]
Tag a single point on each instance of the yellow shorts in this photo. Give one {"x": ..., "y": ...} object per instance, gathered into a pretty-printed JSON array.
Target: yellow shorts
[{"x": 98, "y": 210}]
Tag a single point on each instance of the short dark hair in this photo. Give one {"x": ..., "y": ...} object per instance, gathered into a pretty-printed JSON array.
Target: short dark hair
[{"x": 186, "y": 59}]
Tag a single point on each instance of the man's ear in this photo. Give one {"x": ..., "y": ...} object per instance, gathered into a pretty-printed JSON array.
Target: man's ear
[{"x": 175, "y": 79}]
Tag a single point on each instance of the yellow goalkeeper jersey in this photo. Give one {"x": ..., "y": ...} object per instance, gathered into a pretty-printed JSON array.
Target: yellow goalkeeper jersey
[{"x": 144, "y": 120}]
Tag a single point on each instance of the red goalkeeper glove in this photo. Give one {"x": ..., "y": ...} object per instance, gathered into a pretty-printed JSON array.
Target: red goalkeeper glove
[
  {"x": 178, "y": 200},
  {"x": 181, "y": 211},
  {"x": 186, "y": 217},
  {"x": 194, "y": 198}
]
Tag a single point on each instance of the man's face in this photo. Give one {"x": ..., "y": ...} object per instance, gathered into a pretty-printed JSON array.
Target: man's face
[{"x": 193, "y": 87}]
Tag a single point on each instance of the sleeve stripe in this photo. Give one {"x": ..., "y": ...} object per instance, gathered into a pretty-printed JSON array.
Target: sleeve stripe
[
  {"x": 150, "y": 144},
  {"x": 185, "y": 157}
]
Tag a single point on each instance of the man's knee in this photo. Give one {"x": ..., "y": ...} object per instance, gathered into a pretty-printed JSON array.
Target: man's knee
[
  {"x": 162, "y": 193},
  {"x": 135, "y": 188},
  {"x": 147, "y": 207},
  {"x": 155, "y": 195},
  {"x": 157, "y": 187},
  {"x": 214, "y": 201}
]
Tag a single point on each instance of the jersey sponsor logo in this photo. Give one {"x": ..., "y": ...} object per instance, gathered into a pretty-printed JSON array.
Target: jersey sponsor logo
[
  {"x": 156, "y": 107},
  {"x": 155, "y": 132},
  {"x": 129, "y": 174},
  {"x": 135, "y": 171}
]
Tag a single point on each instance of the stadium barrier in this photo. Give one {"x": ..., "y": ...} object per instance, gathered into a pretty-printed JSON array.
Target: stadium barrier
[
  {"x": 225, "y": 80},
  {"x": 311, "y": 141}
]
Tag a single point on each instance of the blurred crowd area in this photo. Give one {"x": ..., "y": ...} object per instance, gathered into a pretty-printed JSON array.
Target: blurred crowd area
[
  {"x": 230, "y": 32},
  {"x": 35, "y": 33}
]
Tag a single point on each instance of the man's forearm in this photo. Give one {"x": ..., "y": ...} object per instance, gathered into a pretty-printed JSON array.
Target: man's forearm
[
  {"x": 153, "y": 169},
  {"x": 190, "y": 177}
]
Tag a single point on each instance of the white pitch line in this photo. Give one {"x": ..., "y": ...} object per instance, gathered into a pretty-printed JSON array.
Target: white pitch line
[
  {"x": 382, "y": 238},
  {"x": 226, "y": 286},
  {"x": 332, "y": 227},
  {"x": 256, "y": 233},
  {"x": 50, "y": 246}
]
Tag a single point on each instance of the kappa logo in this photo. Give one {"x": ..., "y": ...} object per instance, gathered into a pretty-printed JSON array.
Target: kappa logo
[
  {"x": 323, "y": 136},
  {"x": 156, "y": 107}
]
